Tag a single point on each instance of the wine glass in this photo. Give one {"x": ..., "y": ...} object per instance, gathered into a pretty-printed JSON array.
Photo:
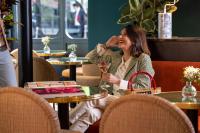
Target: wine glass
[{"x": 104, "y": 64}]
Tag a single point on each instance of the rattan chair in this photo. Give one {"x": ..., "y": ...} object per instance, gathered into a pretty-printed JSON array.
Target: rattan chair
[
  {"x": 43, "y": 70},
  {"x": 91, "y": 75},
  {"x": 66, "y": 72},
  {"x": 87, "y": 74},
  {"x": 14, "y": 53},
  {"x": 23, "y": 111},
  {"x": 144, "y": 114}
]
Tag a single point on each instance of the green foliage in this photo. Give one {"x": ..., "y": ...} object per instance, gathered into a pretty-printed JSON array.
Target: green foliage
[
  {"x": 143, "y": 13},
  {"x": 8, "y": 20},
  {"x": 71, "y": 47},
  {"x": 6, "y": 5},
  {"x": 7, "y": 14}
]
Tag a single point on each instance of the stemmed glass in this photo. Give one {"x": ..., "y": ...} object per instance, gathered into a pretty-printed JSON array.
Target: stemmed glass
[{"x": 104, "y": 64}]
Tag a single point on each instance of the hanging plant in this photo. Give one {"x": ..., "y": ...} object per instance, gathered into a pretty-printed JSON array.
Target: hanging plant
[
  {"x": 6, "y": 5},
  {"x": 7, "y": 14}
]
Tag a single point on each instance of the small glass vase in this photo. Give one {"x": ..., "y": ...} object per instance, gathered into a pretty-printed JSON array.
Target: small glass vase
[
  {"x": 189, "y": 99},
  {"x": 189, "y": 90},
  {"x": 72, "y": 56},
  {"x": 46, "y": 49}
]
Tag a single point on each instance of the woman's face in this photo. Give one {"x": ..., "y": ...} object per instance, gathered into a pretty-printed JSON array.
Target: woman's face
[{"x": 124, "y": 42}]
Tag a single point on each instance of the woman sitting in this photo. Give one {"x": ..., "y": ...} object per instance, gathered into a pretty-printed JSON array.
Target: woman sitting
[{"x": 133, "y": 57}]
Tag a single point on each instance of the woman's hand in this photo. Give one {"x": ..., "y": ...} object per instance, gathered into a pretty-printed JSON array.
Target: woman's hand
[
  {"x": 112, "y": 42},
  {"x": 110, "y": 78}
]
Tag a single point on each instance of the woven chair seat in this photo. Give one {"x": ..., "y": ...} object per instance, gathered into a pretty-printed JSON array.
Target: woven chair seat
[
  {"x": 144, "y": 114},
  {"x": 23, "y": 111}
]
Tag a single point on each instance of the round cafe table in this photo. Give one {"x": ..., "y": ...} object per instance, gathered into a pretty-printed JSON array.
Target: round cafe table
[
  {"x": 91, "y": 93},
  {"x": 67, "y": 62},
  {"x": 55, "y": 53},
  {"x": 191, "y": 105}
]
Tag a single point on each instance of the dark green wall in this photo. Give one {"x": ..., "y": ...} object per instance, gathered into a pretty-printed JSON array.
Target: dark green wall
[
  {"x": 103, "y": 16},
  {"x": 186, "y": 20}
]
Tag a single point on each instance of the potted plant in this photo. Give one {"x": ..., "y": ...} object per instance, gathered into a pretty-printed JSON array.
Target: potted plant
[
  {"x": 72, "y": 49},
  {"x": 7, "y": 14},
  {"x": 143, "y": 13},
  {"x": 45, "y": 41},
  {"x": 190, "y": 74}
]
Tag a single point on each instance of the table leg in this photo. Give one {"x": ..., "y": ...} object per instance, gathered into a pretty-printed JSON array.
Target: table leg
[
  {"x": 72, "y": 77},
  {"x": 72, "y": 72},
  {"x": 46, "y": 57},
  {"x": 63, "y": 115},
  {"x": 193, "y": 116}
]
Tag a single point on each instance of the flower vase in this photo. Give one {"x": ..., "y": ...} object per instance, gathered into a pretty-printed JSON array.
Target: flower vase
[
  {"x": 72, "y": 56},
  {"x": 46, "y": 49},
  {"x": 189, "y": 90},
  {"x": 189, "y": 99}
]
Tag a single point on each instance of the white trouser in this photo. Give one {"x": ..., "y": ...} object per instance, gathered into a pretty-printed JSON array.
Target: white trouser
[
  {"x": 7, "y": 71},
  {"x": 87, "y": 113}
]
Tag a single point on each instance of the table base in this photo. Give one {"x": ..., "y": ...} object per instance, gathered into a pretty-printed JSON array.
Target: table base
[{"x": 63, "y": 115}]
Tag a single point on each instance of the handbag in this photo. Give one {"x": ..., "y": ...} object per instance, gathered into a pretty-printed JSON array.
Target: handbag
[{"x": 145, "y": 90}]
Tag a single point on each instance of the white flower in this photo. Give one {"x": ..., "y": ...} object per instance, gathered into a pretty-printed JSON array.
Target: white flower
[
  {"x": 72, "y": 47},
  {"x": 46, "y": 40},
  {"x": 190, "y": 73}
]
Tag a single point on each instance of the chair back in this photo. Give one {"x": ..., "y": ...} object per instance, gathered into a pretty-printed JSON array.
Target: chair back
[
  {"x": 43, "y": 70},
  {"x": 14, "y": 53},
  {"x": 26, "y": 112},
  {"x": 91, "y": 70},
  {"x": 91, "y": 75},
  {"x": 144, "y": 114}
]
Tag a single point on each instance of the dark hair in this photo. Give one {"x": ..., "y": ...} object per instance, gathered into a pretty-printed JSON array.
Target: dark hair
[
  {"x": 77, "y": 4},
  {"x": 138, "y": 38}
]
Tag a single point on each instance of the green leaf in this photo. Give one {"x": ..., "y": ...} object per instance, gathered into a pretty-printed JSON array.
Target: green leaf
[
  {"x": 11, "y": 39},
  {"x": 144, "y": 13},
  {"x": 124, "y": 10},
  {"x": 126, "y": 19},
  {"x": 149, "y": 13},
  {"x": 148, "y": 25},
  {"x": 135, "y": 6}
]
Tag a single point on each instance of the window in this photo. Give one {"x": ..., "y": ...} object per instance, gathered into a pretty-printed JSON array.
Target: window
[
  {"x": 76, "y": 18},
  {"x": 45, "y": 18},
  {"x": 65, "y": 21}
]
